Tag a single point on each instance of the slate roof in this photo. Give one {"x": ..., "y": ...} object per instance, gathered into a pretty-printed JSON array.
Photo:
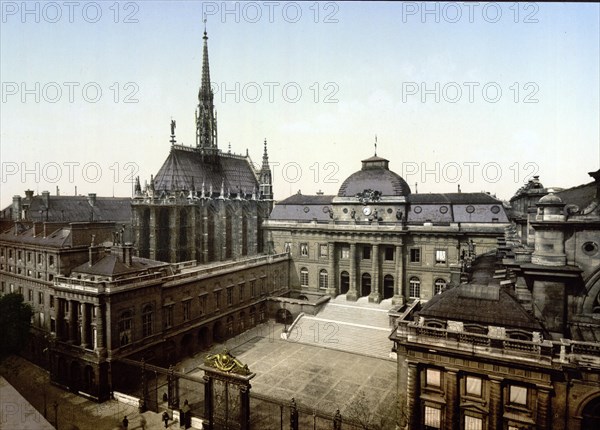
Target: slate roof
[
  {"x": 303, "y": 208},
  {"x": 453, "y": 198},
  {"x": 387, "y": 182},
  {"x": 58, "y": 236},
  {"x": 581, "y": 195},
  {"x": 481, "y": 301},
  {"x": 77, "y": 209},
  {"x": 110, "y": 265},
  {"x": 186, "y": 169}
]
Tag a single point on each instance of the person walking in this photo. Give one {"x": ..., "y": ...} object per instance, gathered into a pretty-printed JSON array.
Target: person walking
[
  {"x": 125, "y": 422},
  {"x": 165, "y": 417}
]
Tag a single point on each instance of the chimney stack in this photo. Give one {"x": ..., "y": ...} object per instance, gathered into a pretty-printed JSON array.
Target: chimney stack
[
  {"x": 93, "y": 252},
  {"x": 92, "y": 199},
  {"x": 29, "y": 195},
  {"x": 57, "y": 191},
  {"x": 17, "y": 208},
  {"x": 46, "y": 198}
]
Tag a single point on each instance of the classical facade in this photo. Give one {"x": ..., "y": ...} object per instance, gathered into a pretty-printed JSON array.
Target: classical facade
[
  {"x": 203, "y": 204},
  {"x": 517, "y": 345},
  {"x": 375, "y": 238},
  {"x": 94, "y": 301}
]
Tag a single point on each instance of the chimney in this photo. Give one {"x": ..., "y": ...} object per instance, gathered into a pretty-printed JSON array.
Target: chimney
[
  {"x": 93, "y": 252},
  {"x": 75, "y": 189},
  {"x": 29, "y": 194},
  {"x": 127, "y": 254},
  {"x": 459, "y": 188},
  {"x": 34, "y": 228},
  {"x": 57, "y": 191},
  {"x": 17, "y": 208},
  {"x": 46, "y": 198},
  {"x": 92, "y": 199}
]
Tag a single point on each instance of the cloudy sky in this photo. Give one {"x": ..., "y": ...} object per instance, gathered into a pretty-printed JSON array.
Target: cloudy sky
[{"x": 483, "y": 95}]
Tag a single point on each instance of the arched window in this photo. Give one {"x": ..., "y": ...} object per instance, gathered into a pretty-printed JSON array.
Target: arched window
[
  {"x": 323, "y": 279},
  {"x": 304, "y": 277},
  {"x": 147, "y": 317},
  {"x": 438, "y": 286},
  {"x": 414, "y": 288},
  {"x": 125, "y": 325}
]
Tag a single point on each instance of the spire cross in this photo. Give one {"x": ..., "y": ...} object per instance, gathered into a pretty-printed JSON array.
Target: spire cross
[{"x": 375, "y": 145}]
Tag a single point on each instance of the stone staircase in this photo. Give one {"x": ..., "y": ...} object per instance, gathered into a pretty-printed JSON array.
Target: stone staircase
[{"x": 358, "y": 327}]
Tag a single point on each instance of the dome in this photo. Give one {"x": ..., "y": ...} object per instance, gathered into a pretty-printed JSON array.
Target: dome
[
  {"x": 374, "y": 175},
  {"x": 550, "y": 199}
]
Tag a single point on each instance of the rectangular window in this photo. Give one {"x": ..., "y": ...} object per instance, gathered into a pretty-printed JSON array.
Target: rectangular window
[
  {"x": 304, "y": 277},
  {"x": 202, "y": 304},
  {"x": 323, "y": 250},
  {"x": 10, "y": 253},
  {"x": 440, "y": 256},
  {"x": 3, "y": 286},
  {"x": 287, "y": 247},
  {"x": 415, "y": 255},
  {"x": 473, "y": 386},
  {"x": 253, "y": 287},
  {"x": 217, "y": 299},
  {"x": 346, "y": 252},
  {"x": 30, "y": 295},
  {"x": 517, "y": 395},
  {"x": 52, "y": 301},
  {"x": 52, "y": 325},
  {"x": 39, "y": 258},
  {"x": 366, "y": 252},
  {"x": 389, "y": 253},
  {"x": 51, "y": 260},
  {"x": 433, "y": 378},
  {"x": 241, "y": 287},
  {"x": 19, "y": 255},
  {"x": 40, "y": 298},
  {"x": 230, "y": 296},
  {"x": 29, "y": 257},
  {"x": 168, "y": 312},
  {"x": 433, "y": 418},
  {"x": 304, "y": 249},
  {"x": 186, "y": 310},
  {"x": 42, "y": 320},
  {"x": 473, "y": 423}
]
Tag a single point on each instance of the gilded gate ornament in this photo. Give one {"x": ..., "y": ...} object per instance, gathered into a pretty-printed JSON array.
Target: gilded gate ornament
[{"x": 226, "y": 362}]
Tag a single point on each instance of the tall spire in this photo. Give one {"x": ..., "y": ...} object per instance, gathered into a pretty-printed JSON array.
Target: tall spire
[
  {"x": 265, "y": 177},
  {"x": 206, "y": 122}
]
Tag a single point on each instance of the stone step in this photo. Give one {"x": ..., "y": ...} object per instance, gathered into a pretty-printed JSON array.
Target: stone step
[
  {"x": 354, "y": 314},
  {"x": 344, "y": 336}
]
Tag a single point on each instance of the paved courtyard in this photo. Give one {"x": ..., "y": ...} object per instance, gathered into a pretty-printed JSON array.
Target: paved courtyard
[
  {"x": 321, "y": 378},
  {"x": 316, "y": 377}
]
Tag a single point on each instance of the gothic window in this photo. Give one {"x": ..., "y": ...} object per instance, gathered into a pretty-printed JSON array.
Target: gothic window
[
  {"x": 414, "y": 288},
  {"x": 125, "y": 328},
  {"x": 147, "y": 315},
  {"x": 323, "y": 279},
  {"x": 304, "y": 277}
]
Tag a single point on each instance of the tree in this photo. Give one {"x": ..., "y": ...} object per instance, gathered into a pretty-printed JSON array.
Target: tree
[{"x": 15, "y": 319}]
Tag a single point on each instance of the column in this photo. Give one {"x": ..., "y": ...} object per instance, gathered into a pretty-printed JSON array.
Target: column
[
  {"x": 74, "y": 321},
  {"x": 99, "y": 327},
  {"x": 153, "y": 234},
  {"x": 192, "y": 245},
  {"x": 412, "y": 394},
  {"x": 85, "y": 325},
  {"x": 332, "y": 276},
  {"x": 452, "y": 420},
  {"x": 398, "y": 298},
  {"x": 543, "y": 410},
  {"x": 375, "y": 295},
  {"x": 174, "y": 234},
  {"x": 59, "y": 319},
  {"x": 352, "y": 295},
  {"x": 495, "y": 403}
]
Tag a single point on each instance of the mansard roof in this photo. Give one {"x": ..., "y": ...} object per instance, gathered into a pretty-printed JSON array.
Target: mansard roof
[
  {"x": 75, "y": 209},
  {"x": 303, "y": 208},
  {"x": 111, "y": 265},
  {"x": 453, "y": 198},
  {"x": 481, "y": 301},
  {"x": 186, "y": 169}
]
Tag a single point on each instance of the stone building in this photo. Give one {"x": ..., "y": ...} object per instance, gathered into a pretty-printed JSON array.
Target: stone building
[
  {"x": 203, "y": 204},
  {"x": 517, "y": 345},
  {"x": 375, "y": 238}
]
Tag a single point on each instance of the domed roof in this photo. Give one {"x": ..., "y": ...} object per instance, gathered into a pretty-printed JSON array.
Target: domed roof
[
  {"x": 550, "y": 199},
  {"x": 374, "y": 175}
]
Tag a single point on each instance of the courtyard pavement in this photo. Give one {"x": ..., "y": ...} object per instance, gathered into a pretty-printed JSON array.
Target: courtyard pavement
[{"x": 316, "y": 377}]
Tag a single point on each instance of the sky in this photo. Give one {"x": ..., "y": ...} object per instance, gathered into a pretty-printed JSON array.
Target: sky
[{"x": 481, "y": 95}]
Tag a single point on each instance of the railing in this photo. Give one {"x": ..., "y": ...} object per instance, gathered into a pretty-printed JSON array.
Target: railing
[{"x": 546, "y": 351}]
